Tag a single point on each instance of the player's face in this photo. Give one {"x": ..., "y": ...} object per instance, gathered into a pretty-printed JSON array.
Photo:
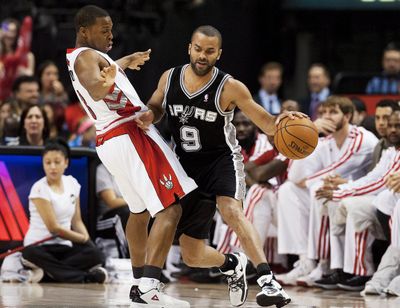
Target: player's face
[
  {"x": 204, "y": 51},
  {"x": 334, "y": 114},
  {"x": 99, "y": 35},
  {"x": 290, "y": 105},
  {"x": 393, "y": 129},
  {"x": 382, "y": 115},
  {"x": 245, "y": 129},
  {"x": 54, "y": 164}
]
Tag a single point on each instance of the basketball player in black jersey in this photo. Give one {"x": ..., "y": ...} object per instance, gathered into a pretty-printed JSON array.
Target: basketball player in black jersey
[{"x": 200, "y": 100}]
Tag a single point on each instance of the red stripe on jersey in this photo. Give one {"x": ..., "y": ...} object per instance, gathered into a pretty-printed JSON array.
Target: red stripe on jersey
[
  {"x": 340, "y": 162},
  {"x": 70, "y": 50},
  {"x": 368, "y": 188},
  {"x": 156, "y": 164}
]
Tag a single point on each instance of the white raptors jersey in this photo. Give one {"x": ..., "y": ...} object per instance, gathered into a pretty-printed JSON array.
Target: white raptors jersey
[{"x": 117, "y": 107}]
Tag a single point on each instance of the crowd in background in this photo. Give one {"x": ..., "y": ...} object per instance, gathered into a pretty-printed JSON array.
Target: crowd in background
[{"x": 35, "y": 107}]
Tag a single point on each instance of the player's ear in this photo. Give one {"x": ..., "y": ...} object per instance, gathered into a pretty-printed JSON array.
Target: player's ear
[
  {"x": 83, "y": 31},
  {"x": 219, "y": 54},
  {"x": 190, "y": 46}
]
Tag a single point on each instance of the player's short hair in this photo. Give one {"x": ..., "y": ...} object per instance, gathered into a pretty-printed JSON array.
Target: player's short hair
[
  {"x": 271, "y": 66},
  {"x": 344, "y": 103},
  {"x": 87, "y": 15},
  {"x": 209, "y": 31},
  {"x": 388, "y": 103}
]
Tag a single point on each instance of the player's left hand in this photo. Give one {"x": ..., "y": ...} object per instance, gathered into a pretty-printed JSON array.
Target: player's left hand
[
  {"x": 138, "y": 59},
  {"x": 291, "y": 114},
  {"x": 324, "y": 194},
  {"x": 144, "y": 119}
]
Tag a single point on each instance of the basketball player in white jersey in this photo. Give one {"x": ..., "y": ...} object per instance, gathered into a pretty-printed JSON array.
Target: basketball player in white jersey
[
  {"x": 347, "y": 152},
  {"x": 200, "y": 100},
  {"x": 351, "y": 242},
  {"x": 147, "y": 172}
]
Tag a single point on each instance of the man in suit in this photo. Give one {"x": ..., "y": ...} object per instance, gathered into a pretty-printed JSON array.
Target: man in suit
[
  {"x": 270, "y": 80},
  {"x": 318, "y": 84}
]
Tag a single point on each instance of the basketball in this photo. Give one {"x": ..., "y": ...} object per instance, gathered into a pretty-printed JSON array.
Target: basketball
[{"x": 296, "y": 139}]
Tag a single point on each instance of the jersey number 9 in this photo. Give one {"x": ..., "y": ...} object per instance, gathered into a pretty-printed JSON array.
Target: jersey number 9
[{"x": 190, "y": 137}]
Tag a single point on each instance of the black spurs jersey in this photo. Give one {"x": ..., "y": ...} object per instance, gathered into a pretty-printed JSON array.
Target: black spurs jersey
[{"x": 200, "y": 129}]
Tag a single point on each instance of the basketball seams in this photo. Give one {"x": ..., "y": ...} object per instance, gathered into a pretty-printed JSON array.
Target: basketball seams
[
  {"x": 284, "y": 142},
  {"x": 311, "y": 146},
  {"x": 302, "y": 125}
]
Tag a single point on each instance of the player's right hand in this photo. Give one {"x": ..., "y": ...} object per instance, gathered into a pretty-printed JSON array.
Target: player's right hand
[{"x": 107, "y": 75}]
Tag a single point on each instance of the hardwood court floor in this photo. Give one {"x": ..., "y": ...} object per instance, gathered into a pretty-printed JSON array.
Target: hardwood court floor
[{"x": 199, "y": 295}]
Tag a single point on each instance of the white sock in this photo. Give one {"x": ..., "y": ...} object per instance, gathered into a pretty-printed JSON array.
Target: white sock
[{"x": 146, "y": 284}]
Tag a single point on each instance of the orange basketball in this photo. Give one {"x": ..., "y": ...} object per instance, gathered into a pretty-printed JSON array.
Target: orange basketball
[{"x": 296, "y": 139}]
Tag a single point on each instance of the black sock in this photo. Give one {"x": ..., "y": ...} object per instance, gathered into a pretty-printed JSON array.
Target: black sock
[
  {"x": 137, "y": 272},
  {"x": 263, "y": 269},
  {"x": 230, "y": 263},
  {"x": 150, "y": 271}
]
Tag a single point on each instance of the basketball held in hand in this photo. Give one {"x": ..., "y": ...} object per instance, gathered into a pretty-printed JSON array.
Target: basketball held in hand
[{"x": 296, "y": 139}]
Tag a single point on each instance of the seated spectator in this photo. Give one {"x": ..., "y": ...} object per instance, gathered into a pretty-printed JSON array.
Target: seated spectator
[
  {"x": 26, "y": 91},
  {"x": 6, "y": 110},
  {"x": 111, "y": 202},
  {"x": 10, "y": 130},
  {"x": 15, "y": 56},
  {"x": 388, "y": 81},
  {"x": 74, "y": 113},
  {"x": 51, "y": 88},
  {"x": 34, "y": 126},
  {"x": 85, "y": 135},
  {"x": 55, "y": 115},
  {"x": 290, "y": 105},
  {"x": 55, "y": 210},
  {"x": 360, "y": 116}
]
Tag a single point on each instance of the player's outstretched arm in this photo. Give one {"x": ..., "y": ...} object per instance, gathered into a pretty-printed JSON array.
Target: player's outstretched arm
[
  {"x": 236, "y": 93},
  {"x": 95, "y": 74},
  {"x": 135, "y": 60}
]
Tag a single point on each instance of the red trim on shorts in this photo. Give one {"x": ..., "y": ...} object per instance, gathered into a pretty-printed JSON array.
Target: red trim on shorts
[
  {"x": 153, "y": 158},
  {"x": 70, "y": 50}
]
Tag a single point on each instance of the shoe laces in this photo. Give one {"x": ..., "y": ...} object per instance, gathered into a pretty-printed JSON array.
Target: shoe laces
[
  {"x": 160, "y": 287},
  {"x": 235, "y": 283}
]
